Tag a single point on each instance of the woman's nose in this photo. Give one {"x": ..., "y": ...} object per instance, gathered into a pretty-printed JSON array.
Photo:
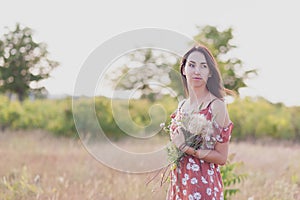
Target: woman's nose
[{"x": 197, "y": 70}]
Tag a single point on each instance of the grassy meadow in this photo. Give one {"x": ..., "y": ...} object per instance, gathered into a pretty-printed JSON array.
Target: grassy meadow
[{"x": 38, "y": 165}]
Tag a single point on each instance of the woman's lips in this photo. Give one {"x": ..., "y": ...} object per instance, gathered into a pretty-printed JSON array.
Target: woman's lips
[{"x": 197, "y": 78}]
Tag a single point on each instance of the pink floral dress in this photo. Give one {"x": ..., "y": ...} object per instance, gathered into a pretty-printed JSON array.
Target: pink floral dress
[{"x": 197, "y": 179}]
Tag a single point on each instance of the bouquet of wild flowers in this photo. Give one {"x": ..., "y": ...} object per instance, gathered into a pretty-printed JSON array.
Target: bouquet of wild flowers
[
  {"x": 197, "y": 130},
  {"x": 198, "y": 133}
]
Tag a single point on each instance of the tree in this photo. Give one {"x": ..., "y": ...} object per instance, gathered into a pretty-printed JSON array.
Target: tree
[
  {"x": 23, "y": 63},
  {"x": 149, "y": 72},
  {"x": 219, "y": 44}
]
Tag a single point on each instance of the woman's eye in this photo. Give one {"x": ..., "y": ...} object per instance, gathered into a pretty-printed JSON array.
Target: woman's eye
[
  {"x": 191, "y": 65},
  {"x": 204, "y": 66}
]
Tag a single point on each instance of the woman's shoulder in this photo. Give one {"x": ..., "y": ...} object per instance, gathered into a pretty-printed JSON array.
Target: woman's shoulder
[
  {"x": 218, "y": 103},
  {"x": 219, "y": 109}
]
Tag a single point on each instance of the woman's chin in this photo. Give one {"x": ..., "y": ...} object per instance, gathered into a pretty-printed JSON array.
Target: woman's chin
[{"x": 198, "y": 85}]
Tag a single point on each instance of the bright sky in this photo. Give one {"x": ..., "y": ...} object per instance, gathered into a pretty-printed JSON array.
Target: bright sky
[{"x": 266, "y": 33}]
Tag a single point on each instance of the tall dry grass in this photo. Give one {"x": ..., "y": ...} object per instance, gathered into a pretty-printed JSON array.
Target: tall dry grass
[{"x": 36, "y": 165}]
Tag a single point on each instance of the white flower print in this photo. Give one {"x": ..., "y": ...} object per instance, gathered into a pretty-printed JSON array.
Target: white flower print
[
  {"x": 194, "y": 181},
  {"x": 186, "y": 176},
  {"x": 184, "y": 192},
  {"x": 183, "y": 181},
  {"x": 179, "y": 170},
  {"x": 222, "y": 196},
  {"x": 218, "y": 137},
  {"x": 191, "y": 160},
  {"x": 219, "y": 183},
  {"x": 191, "y": 197},
  {"x": 177, "y": 188},
  {"x": 197, "y": 195},
  {"x": 177, "y": 197},
  {"x": 210, "y": 172},
  {"x": 195, "y": 167},
  {"x": 212, "y": 166},
  {"x": 208, "y": 191},
  {"x": 215, "y": 194},
  {"x": 211, "y": 179},
  {"x": 174, "y": 179},
  {"x": 188, "y": 166},
  {"x": 216, "y": 189},
  {"x": 204, "y": 180}
]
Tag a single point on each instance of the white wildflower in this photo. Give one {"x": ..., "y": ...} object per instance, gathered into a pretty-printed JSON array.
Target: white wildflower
[{"x": 196, "y": 123}]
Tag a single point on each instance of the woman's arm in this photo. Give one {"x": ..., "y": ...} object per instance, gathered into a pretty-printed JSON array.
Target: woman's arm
[
  {"x": 217, "y": 156},
  {"x": 220, "y": 153}
]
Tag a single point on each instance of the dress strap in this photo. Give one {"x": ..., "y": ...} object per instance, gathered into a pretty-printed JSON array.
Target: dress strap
[
  {"x": 211, "y": 102},
  {"x": 184, "y": 100},
  {"x": 181, "y": 104}
]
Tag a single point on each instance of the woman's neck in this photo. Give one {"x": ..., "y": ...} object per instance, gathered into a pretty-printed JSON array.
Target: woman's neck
[{"x": 198, "y": 95}]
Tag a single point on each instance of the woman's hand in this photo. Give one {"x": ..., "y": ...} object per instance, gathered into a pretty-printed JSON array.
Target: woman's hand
[{"x": 178, "y": 139}]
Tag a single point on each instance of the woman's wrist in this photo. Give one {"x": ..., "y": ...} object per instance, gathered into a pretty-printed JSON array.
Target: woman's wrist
[
  {"x": 197, "y": 153},
  {"x": 191, "y": 151}
]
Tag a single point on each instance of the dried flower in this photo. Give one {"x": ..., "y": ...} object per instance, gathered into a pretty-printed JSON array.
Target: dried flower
[{"x": 197, "y": 130}]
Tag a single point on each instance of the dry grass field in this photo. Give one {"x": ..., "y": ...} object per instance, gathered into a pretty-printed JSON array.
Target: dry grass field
[{"x": 36, "y": 165}]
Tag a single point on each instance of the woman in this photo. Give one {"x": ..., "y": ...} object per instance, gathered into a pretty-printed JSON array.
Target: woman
[{"x": 198, "y": 175}]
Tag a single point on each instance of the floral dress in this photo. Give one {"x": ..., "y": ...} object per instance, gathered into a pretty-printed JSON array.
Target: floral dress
[{"x": 197, "y": 179}]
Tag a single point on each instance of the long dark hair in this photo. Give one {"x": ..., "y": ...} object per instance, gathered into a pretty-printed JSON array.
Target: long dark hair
[{"x": 214, "y": 83}]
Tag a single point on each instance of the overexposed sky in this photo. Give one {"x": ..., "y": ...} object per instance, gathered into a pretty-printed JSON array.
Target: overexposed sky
[{"x": 266, "y": 33}]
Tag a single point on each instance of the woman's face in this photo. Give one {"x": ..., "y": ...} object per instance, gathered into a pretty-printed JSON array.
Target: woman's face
[{"x": 196, "y": 69}]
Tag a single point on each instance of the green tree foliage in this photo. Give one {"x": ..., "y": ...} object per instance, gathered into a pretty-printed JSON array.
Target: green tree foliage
[
  {"x": 257, "y": 118},
  {"x": 51, "y": 115},
  {"x": 148, "y": 72},
  {"x": 254, "y": 118},
  {"x": 219, "y": 44},
  {"x": 23, "y": 63},
  {"x": 295, "y": 121}
]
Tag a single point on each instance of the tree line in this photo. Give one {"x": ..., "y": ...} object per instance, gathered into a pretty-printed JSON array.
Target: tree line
[{"x": 253, "y": 118}]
